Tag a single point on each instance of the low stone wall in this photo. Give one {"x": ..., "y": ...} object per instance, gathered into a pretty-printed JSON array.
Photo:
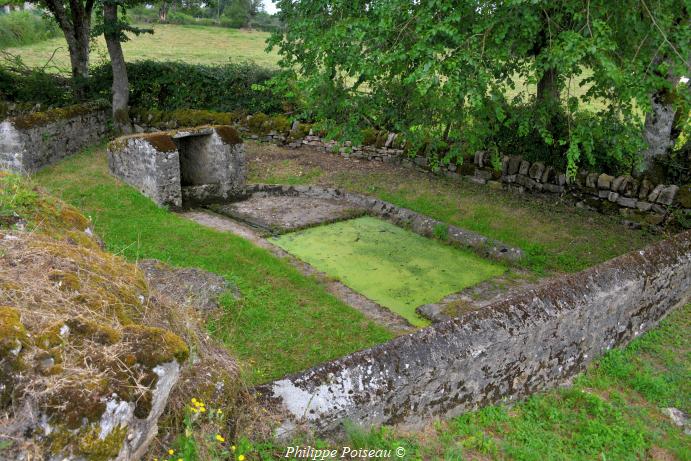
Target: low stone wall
[
  {"x": 182, "y": 167},
  {"x": 524, "y": 344},
  {"x": 30, "y": 142},
  {"x": 639, "y": 201},
  {"x": 416, "y": 222}
]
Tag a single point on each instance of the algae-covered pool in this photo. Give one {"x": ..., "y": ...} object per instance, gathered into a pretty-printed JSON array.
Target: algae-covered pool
[{"x": 392, "y": 266}]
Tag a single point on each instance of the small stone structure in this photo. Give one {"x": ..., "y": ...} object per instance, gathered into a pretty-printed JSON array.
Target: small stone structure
[
  {"x": 512, "y": 348},
  {"x": 182, "y": 167},
  {"x": 32, "y": 141}
]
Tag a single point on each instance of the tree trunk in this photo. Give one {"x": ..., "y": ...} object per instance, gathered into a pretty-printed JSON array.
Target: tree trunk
[
  {"x": 75, "y": 24},
  {"x": 163, "y": 11},
  {"x": 658, "y": 129},
  {"x": 662, "y": 124},
  {"x": 79, "y": 58},
  {"x": 548, "y": 88},
  {"x": 121, "y": 91}
]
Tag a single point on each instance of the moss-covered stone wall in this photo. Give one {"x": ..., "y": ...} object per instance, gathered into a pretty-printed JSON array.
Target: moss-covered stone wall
[{"x": 30, "y": 142}]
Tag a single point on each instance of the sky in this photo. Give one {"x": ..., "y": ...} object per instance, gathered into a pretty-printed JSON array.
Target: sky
[{"x": 269, "y": 6}]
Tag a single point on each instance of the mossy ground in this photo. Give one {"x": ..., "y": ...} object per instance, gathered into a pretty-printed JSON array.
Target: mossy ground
[{"x": 391, "y": 266}]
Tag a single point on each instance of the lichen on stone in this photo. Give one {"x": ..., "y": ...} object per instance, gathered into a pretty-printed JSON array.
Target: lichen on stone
[
  {"x": 154, "y": 346},
  {"x": 79, "y": 328}
]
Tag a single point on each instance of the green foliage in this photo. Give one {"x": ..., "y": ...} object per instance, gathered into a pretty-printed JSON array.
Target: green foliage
[
  {"x": 177, "y": 85},
  {"x": 467, "y": 72},
  {"x": 154, "y": 85},
  {"x": 19, "y": 28},
  {"x": 441, "y": 232},
  {"x": 21, "y": 84}
]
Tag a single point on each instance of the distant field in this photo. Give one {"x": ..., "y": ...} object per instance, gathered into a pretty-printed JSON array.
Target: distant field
[{"x": 193, "y": 44}]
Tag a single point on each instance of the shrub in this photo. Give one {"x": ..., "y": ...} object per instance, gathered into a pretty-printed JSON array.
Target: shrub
[
  {"x": 25, "y": 27},
  {"x": 20, "y": 84},
  {"x": 176, "y": 85}
]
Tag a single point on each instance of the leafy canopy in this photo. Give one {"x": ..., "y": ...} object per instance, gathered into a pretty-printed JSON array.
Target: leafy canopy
[{"x": 462, "y": 75}]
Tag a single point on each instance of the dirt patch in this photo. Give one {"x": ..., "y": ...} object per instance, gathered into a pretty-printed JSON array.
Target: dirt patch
[
  {"x": 279, "y": 214},
  {"x": 263, "y": 157},
  {"x": 187, "y": 286}
]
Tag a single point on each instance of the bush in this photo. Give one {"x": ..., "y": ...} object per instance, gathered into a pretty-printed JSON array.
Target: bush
[
  {"x": 25, "y": 27},
  {"x": 605, "y": 143},
  {"x": 176, "y": 85},
  {"x": 19, "y": 84}
]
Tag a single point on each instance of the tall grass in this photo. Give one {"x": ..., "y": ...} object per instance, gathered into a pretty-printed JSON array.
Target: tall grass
[{"x": 25, "y": 27}]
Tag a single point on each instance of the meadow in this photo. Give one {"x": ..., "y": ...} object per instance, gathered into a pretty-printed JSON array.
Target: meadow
[{"x": 191, "y": 44}]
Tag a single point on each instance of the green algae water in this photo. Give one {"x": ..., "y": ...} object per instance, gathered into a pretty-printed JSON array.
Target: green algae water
[{"x": 392, "y": 266}]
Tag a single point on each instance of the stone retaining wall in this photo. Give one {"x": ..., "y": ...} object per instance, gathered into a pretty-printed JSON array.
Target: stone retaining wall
[
  {"x": 30, "y": 142},
  {"x": 532, "y": 341}
]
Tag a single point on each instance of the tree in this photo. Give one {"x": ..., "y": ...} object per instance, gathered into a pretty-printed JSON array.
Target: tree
[
  {"x": 114, "y": 30},
  {"x": 74, "y": 19},
  {"x": 558, "y": 81}
]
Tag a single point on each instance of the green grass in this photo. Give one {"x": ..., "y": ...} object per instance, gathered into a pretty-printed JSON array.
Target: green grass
[
  {"x": 192, "y": 44},
  {"x": 392, "y": 266},
  {"x": 25, "y": 27},
  {"x": 611, "y": 412},
  {"x": 285, "y": 322}
]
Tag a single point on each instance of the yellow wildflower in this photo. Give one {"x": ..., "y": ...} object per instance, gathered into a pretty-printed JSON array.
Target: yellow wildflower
[
  {"x": 241, "y": 458},
  {"x": 232, "y": 448},
  {"x": 219, "y": 411},
  {"x": 220, "y": 438},
  {"x": 202, "y": 409},
  {"x": 194, "y": 400},
  {"x": 171, "y": 452}
]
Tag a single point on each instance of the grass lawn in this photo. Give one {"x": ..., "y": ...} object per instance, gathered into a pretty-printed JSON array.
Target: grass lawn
[
  {"x": 284, "y": 323},
  {"x": 193, "y": 44}
]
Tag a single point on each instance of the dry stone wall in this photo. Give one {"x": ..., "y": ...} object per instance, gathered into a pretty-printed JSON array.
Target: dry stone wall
[
  {"x": 637, "y": 200},
  {"x": 30, "y": 142},
  {"x": 529, "y": 342}
]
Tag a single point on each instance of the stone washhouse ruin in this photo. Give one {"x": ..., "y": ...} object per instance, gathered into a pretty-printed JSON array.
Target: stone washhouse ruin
[
  {"x": 525, "y": 341},
  {"x": 182, "y": 167}
]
